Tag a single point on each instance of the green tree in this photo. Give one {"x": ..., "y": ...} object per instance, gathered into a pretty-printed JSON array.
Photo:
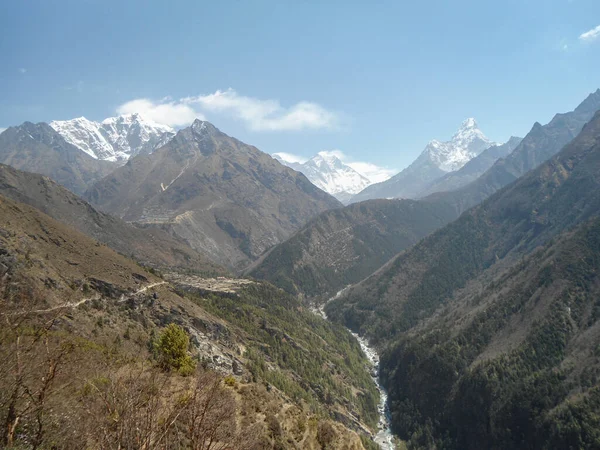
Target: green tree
[{"x": 171, "y": 349}]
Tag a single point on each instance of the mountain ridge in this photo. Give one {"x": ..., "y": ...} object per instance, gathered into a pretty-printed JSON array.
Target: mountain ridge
[
  {"x": 114, "y": 139},
  {"x": 227, "y": 199},
  {"x": 437, "y": 159},
  {"x": 39, "y": 148},
  {"x": 488, "y": 319},
  {"x": 329, "y": 173}
]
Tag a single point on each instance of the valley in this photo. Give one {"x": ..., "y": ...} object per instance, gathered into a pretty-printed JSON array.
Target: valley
[
  {"x": 383, "y": 436},
  {"x": 279, "y": 226}
]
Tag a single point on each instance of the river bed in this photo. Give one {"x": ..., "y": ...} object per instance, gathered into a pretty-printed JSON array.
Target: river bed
[{"x": 384, "y": 436}]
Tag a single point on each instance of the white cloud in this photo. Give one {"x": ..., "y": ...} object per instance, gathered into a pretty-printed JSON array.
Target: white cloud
[
  {"x": 375, "y": 173},
  {"x": 22, "y": 70},
  {"x": 290, "y": 158},
  {"x": 266, "y": 115},
  {"x": 256, "y": 114},
  {"x": 590, "y": 35},
  {"x": 165, "y": 111},
  {"x": 336, "y": 153}
]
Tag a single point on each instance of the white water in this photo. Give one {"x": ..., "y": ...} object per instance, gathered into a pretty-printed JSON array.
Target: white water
[{"x": 384, "y": 436}]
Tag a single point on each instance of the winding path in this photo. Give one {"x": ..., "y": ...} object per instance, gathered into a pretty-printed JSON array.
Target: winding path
[{"x": 95, "y": 297}]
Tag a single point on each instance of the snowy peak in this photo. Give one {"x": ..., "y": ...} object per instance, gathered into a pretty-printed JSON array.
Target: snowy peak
[
  {"x": 468, "y": 142},
  {"x": 329, "y": 173},
  {"x": 327, "y": 161},
  {"x": 115, "y": 138},
  {"x": 468, "y": 124},
  {"x": 202, "y": 127}
]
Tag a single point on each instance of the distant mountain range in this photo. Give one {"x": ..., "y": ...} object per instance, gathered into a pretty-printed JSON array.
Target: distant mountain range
[
  {"x": 227, "y": 199},
  {"x": 436, "y": 160},
  {"x": 328, "y": 172},
  {"x": 338, "y": 247},
  {"x": 39, "y": 148},
  {"x": 114, "y": 139},
  {"x": 473, "y": 169}
]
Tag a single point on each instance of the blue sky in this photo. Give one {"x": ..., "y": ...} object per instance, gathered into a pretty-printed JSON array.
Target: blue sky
[{"x": 375, "y": 80}]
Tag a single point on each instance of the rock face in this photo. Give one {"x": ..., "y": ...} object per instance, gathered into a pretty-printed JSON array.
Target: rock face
[
  {"x": 328, "y": 172},
  {"x": 435, "y": 161},
  {"x": 40, "y": 149},
  {"x": 114, "y": 139},
  {"x": 151, "y": 246},
  {"x": 227, "y": 199}
]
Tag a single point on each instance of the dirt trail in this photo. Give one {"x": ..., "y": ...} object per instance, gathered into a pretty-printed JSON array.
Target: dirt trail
[{"x": 95, "y": 297}]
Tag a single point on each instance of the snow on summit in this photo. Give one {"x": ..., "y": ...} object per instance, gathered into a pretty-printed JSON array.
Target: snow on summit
[
  {"x": 467, "y": 143},
  {"x": 329, "y": 173},
  {"x": 115, "y": 138}
]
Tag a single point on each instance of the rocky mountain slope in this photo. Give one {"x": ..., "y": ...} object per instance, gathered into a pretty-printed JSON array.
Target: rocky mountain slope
[
  {"x": 329, "y": 173},
  {"x": 114, "y": 139},
  {"x": 497, "y": 314},
  {"x": 38, "y": 148},
  {"x": 343, "y": 246},
  {"x": 149, "y": 246},
  {"x": 227, "y": 199},
  {"x": 85, "y": 328},
  {"x": 437, "y": 159},
  {"x": 540, "y": 144}
]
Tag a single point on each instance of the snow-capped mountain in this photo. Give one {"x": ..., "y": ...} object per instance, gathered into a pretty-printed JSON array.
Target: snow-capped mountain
[
  {"x": 467, "y": 143},
  {"x": 116, "y": 138},
  {"x": 437, "y": 159},
  {"x": 329, "y": 173}
]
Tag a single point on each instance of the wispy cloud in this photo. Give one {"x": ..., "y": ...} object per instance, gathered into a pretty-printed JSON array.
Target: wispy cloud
[
  {"x": 164, "y": 111},
  {"x": 590, "y": 35},
  {"x": 266, "y": 115},
  {"x": 256, "y": 114},
  {"x": 375, "y": 173},
  {"x": 290, "y": 158}
]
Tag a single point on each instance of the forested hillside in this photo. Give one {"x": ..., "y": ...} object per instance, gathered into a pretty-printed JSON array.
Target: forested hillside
[
  {"x": 489, "y": 323},
  {"x": 343, "y": 246}
]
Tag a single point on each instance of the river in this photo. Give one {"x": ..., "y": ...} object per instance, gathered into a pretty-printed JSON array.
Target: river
[{"x": 384, "y": 436}]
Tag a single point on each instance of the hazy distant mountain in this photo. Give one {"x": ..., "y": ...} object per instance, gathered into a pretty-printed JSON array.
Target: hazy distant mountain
[
  {"x": 227, "y": 199},
  {"x": 540, "y": 144},
  {"x": 329, "y": 173},
  {"x": 435, "y": 161},
  {"x": 474, "y": 168},
  {"x": 116, "y": 138},
  {"x": 40, "y": 149}
]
